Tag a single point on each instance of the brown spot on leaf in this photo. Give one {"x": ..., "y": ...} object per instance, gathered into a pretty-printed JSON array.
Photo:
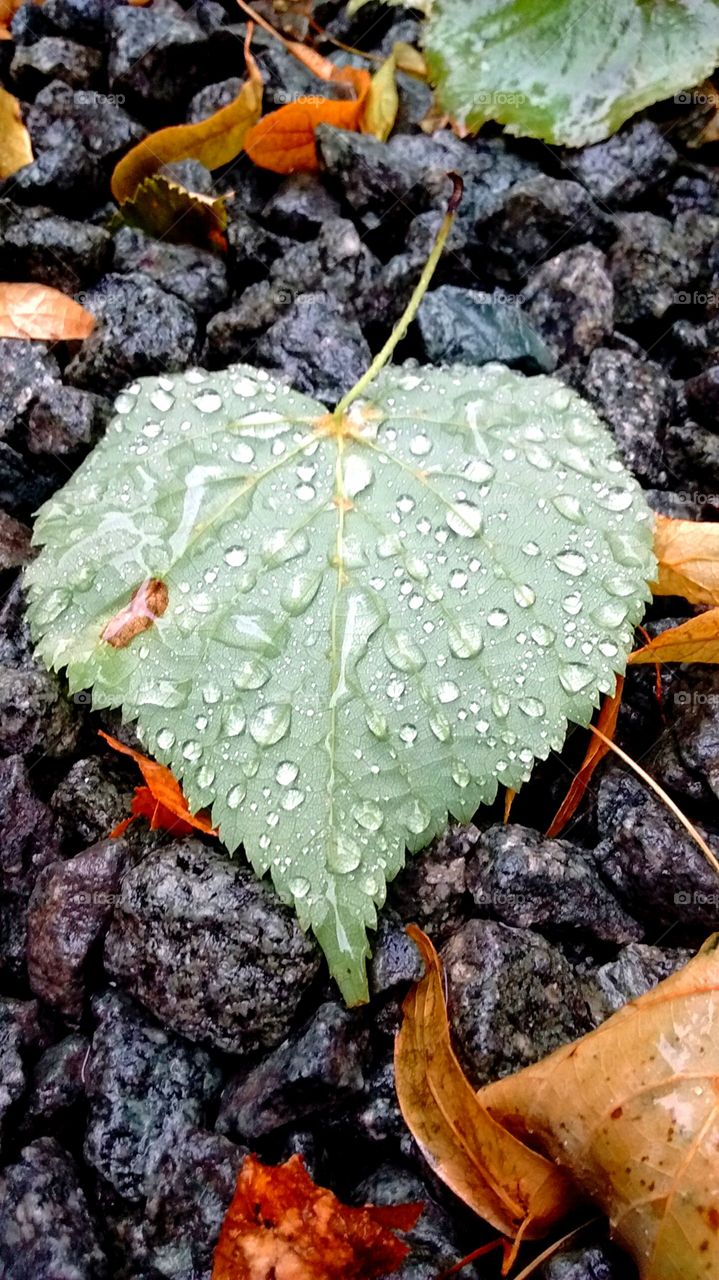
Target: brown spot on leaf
[{"x": 147, "y": 605}]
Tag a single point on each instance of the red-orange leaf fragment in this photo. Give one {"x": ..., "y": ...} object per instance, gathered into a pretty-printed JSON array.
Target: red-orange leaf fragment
[
  {"x": 161, "y": 799},
  {"x": 284, "y": 140},
  {"x": 282, "y": 1226},
  {"x": 147, "y": 605},
  {"x": 596, "y": 751}
]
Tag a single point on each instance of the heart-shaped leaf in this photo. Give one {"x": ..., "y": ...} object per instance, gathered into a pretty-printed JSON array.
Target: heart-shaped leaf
[{"x": 344, "y": 628}]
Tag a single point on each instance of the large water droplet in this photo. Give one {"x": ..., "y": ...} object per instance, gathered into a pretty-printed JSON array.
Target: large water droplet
[
  {"x": 402, "y": 651},
  {"x": 286, "y": 773},
  {"x": 571, "y": 563},
  {"x": 532, "y": 707},
  {"x": 543, "y": 636},
  {"x": 524, "y": 596},
  {"x": 461, "y": 774},
  {"x": 236, "y": 556},
  {"x": 415, "y": 815},
  {"x": 465, "y": 640},
  {"x": 301, "y": 591},
  {"x": 344, "y": 854},
  {"x": 299, "y": 887},
  {"x": 448, "y": 691},
  {"x": 574, "y": 676},
  {"x": 569, "y": 507},
  {"x": 440, "y": 726},
  {"x": 610, "y": 614},
  {"x": 234, "y": 721},
  {"x": 465, "y": 519},
  {"x": 358, "y": 474},
  {"x": 292, "y": 799},
  {"x": 165, "y": 739},
  {"x": 368, "y": 815},
  {"x": 497, "y": 619},
  {"x": 251, "y": 674},
  {"x": 270, "y": 723},
  {"x": 236, "y": 795},
  {"x": 376, "y": 723}
]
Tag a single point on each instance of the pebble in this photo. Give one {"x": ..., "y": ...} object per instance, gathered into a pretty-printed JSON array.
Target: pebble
[
  {"x": 39, "y": 245},
  {"x": 29, "y": 368},
  {"x": 631, "y": 165},
  {"x": 316, "y": 348},
  {"x": 197, "y": 276},
  {"x": 300, "y": 207},
  {"x": 637, "y": 399},
  {"x": 570, "y": 302},
  {"x": 531, "y": 222},
  {"x": 65, "y": 422},
  {"x": 464, "y": 326},
  {"x": 54, "y": 58},
  {"x": 656, "y": 264}
]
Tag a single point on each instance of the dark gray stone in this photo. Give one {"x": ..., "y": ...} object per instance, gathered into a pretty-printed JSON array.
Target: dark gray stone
[
  {"x": 46, "y": 1229},
  {"x": 140, "y": 329},
  {"x": 197, "y": 276},
  {"x": 636, "y": 398},
  {"x": 28, "y": 369},
  {"x": 28, "y": 832},
  {"x": 84, "y": 19},
  {"x": 91, "y": 800},
  {"x": 146, "y": 1089},
  {"x": 63, "y": 173},
  {"x": 432, "y": 889},
  {"x": 523, "y": 879},
  {"x": 627, "y": 167},
  {"x": 252, "y": 249},
  {"x": 229, "y": 973},
  {"x": 591, "y": 1262},
  {"x": 512, "y": 999},
  {"x": 702, "y": 396},
  {"x": 15, "y": 548},
  {"x": 531, "y": 222},
  {"x": 65, "y": 422},
  {"x": 434, "y": 1242},
  {"x": 316, "y": 1069},
  {"x": 337, "y": 261},
  {"x": 231, "y": 334},
  {"x": 300, "y": 207},
  {"x": 56, "y": 1090},
  {"x": 157, "y": 56},
  {"x": 70, "y": 908},
  {"x": 100, "y": 123},
  {"x": 212, "y": 98},
  {"x": 692, "y": 456},
  {"x": 54, "y": 58},
  {"x": 34, "y": 713},
  {"x": 570, "y": 302},
  {"x": 37, "y": 244},
  {"x": 635, "y": 971},
  {"x": 465, "y": 326},
  {"x": 395, "y": 959},
  {"x": 12, "y": 1072},
  {"x": 656, "y": 265},
  {"x": 316, "y": 348}
]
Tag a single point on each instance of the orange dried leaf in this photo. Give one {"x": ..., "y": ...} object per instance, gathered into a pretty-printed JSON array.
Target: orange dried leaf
[
  {"x": 281, "y": 1224},
  {"x": 36, "y": 311},
  {"x": 16, "y": 147},
  {"x": 165, "y": 795},
  {"x": 514, "y": 1188},
  {"x": 148, "y": 604},
  {"x": 694, "y": 641},
  {"x": 596, "y": 752},
  {"x": 509, "y": 798},
  {"x": 284, "y": 140},
  {"x": 688, "y": 560},
  {"x": 631, "y": 1112},
  {"x": 8, "y": 9},
  {"x": 310, "y": 58}
]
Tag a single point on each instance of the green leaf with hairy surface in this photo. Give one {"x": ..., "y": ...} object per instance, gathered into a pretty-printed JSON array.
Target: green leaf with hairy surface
[
  {"x": 567, "y": 71},
  {"x": 336, "y": 631}
]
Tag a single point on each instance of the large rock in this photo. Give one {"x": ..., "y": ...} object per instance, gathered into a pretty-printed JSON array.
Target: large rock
[
  {"x": 98, "y": 122},
  {"x": 28, "y": 370},
  {"x": 37, "y": 244},
  {"x": 656, "y": 265},
  {"x": 464, "y": 326},
  {"x": 157, "y": 56},
  {"x": 432, "y": 888},
  {"x": 28, "y": 831},
  {"x": 434, "y": 1242},
  {"x": 626, "y": 167},
  {"x": 146, "y": 1088},
  {"x": 636, "y": 398},
  {"x": 531, "y": 220},
  {"x": 570, "y": 302},
  {"x": 54, "y": 58},
  {"x": 209, "y": 948},
  {"x": 12, "y": 1071},
  {"x": 316, "y": 348},
  {"x": 197, "y": 276},
  {"x": 56, "y": 1089},
  {"x": 635, "y": 971},
  {"x": 92, "y": 799}
]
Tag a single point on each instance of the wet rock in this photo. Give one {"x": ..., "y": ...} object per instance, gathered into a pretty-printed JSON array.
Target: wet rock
[
  {"x": 695, "y": 187},
  {"x": 156, "y": 56},
  {"x": 655, "y": 265},
  {"x": 627, "y": 167},
  {"x": 37, "y": 244},
  {"x": 34, "y": 713},
  {"x": 531, "y": 222},
  {"x": 46, "y": 1228},
  {"x": 525, "y": 880},
  {"x": 54, "y": 58},
  {"x": 316, "y": 348},
  {"x": 434, "y": 1241},
  {"x": 97, "y": 120},
  {"x": 702, "y": 396},
  {"x": 512, "y": 998},
  {"x": 63, "y": 174},
  {"x": 694, "y": 699},
  {"x": 300, "y": 207},
  {"x": 28, "y": 834},
  {"x": 465, "y": 326},
  {"x": 692, "y": 454},
  {"x": 251, "y": 249},
  {"x": 22, "y": 488},
  {"x": 316, "y": 1069},
  {"x": 635, "y": 971},
  {"x": 570, "y": 302},
  {"x": 637, "y": 399},
  {"x": 197, "y": 276},
  {"x": 15, "y": 548},
  {"x": 231, "y": 334},
  {"x": 140, "y": 329},
  {"x": 649, "y": 859},
  {"x": 86, "y": 20},
  {"x": 56, "y": 1090},
  {"x": 146, "y": 1087},
  {"x": 285, "y": 78},
  {"x": 183, "y": 1227},
  {"x": 336, "y": 261},
  {"x": 432, "y": 889},
  {"x": 212, "y": 98},
  {"x": 69, "y": 912},
  {"x": 209, "y": 948},
  {"x": 378, "y": 1118},
  {"x": 90, "y": 801},
  {"x": 395, "y": 958},
  {"x": 12, "y": 1072},
  {"x": 591, "y": 1262},
  {"x": 28, "y": 369},
  {"x": 66, "y": 422}
]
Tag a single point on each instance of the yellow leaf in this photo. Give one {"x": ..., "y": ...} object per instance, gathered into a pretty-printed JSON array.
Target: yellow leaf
[
  {"x": 36, "y": 311},
  {"x": 410, "y": 60},
  {"x": 694, "y": 641},
  {"x": 382, "y": 103},
  {"x": 688, "y": 560},
  {"x": 169, "y": 211},
  {"x": 16, "y": 147}
]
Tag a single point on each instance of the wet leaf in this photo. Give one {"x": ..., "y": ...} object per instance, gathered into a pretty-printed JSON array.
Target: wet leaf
[
  {"x": 281, "y": 1224},
  {"x": 382, "y": 103},
  {"x": 360, "y": 595},
  {"x": 517, "y": 1190},
  {"x": 16, "y": 149},
  {"x": 568, "y": 72},
  {"x": 36, "y": 311},
  {"x": 694, "y": 641},
  {"x": 161, "y": 799},
  {"x": 596, "y": 752},
  {"x": 687, "y": 559},
  {"x": 630, "y": 1112},
  {"x": 167, "y": 210},
  {"x": 284, "y": 140}
]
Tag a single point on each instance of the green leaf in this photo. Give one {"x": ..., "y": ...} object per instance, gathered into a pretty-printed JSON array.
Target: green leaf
[
  {"x": 366, "y": 625},
  {"x": 565, "y": 70}
]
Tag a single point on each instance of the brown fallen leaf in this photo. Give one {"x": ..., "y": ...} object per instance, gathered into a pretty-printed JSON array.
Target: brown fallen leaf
[
  {"x": 694, "y": 641},
  {"x": 517, "y": 1190},
  {"x": 160, "y": 800},
  {"x": 16, "y": 148},
  {"x": 509, "y": 798},
  {"x": 284, "y": 140},
  {"x": 382, "y": 102},
  {"x": 167, "y": 210},
  {"x": 687, "y": 555},
  {"x": 596, "y": 752},
  {"x": 310, "y": 58},
  {"x": 631, "y": 1112},
  {"x": 282, "y": 1226},
  {"x": 148, "y": 604},
  {"x": 36, "y": 311}
]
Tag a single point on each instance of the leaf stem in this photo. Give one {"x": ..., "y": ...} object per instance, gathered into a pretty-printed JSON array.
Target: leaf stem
[{"x": 402, "y": 325}]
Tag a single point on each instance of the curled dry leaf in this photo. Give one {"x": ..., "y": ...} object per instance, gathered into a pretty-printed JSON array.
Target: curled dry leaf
[
  {"x": 148, "y": 604},
  {"x": 382, "y": 102},
  {"x": 16, "y": 148},
  {"x": 284, "y": 140},
  {"x": 169, "y": 211},
  {"x": 631, "y": 1112},
  {"x": 281, "y": 1224},
  {"x": 36, "y": 311},
  {"x": 688, "y": 560},
  {"x": 160, "y": 800},
  {"x": 517, "y": 1190},
  {"x": 694, "y": 641},
  {"x": 596, "y": 752}
]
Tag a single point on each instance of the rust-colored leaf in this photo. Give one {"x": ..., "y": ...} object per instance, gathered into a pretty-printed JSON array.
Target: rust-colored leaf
[
  {"x": 148, "y": 604},
  {"x": 518, "y": 1191},
  {"x": 631, "y": 1112},
  {"x": 284, "y": 140},
  {"x": 688, "y": 560},
  {"x": 694, "y": 641},
  {"x": 509, "y": 798},
  {"x": 16, "y": 147},
  {"x": 282, "y": 1226},
  {"x": 161, "y": 799},
  {"x": 8, "y": 9},
  {"x": 36, "y": 311},
  {"x": 596, "y": 752}
]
